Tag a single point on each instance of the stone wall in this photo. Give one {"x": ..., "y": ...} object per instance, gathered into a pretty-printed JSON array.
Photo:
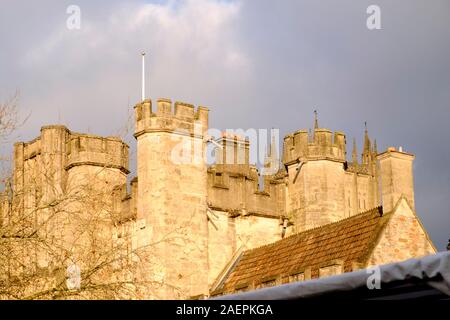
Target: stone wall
[
  {"x": 240, "y": 193},
  {"x": 317, "y": 196},
  {"x": 360, "y": 192},
  {"x": 228, "y": 234},
  {"x": 403, "y": 238}
]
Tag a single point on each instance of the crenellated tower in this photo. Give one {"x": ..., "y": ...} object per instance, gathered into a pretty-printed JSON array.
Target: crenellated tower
[
  {"x": 59, "y": 159},
  {"x": 172, "y": 189},
  {"x": 69, "y": 176},
  {"x": 315, "y": 166}
]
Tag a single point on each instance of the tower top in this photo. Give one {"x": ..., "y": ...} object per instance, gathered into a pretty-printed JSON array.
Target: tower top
[{"x": 180, "y": 118}]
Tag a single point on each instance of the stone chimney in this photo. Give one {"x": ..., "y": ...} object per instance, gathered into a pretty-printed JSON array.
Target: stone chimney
[{"x": 396, "y": 176}]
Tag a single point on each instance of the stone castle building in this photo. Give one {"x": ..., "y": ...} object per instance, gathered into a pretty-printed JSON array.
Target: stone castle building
[{"x": 318, "y": 214}]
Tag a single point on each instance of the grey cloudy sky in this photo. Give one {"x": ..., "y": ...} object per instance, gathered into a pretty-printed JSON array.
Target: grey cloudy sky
[{"x": 256, "y": 64}]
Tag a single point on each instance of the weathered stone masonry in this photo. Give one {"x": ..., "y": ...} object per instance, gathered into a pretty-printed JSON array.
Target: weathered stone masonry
[{"x": 219, "y": 211}]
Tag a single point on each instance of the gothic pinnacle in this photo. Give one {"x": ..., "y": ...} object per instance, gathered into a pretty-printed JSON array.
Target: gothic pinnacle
[
  {"x": 366, "y": 140},
  {"x": 354, "y": 152}
]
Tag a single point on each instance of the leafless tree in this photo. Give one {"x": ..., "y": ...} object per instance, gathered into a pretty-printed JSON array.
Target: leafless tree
[
  {"x": 53, "y": 235},
  {"x": 9, "y": 120}
]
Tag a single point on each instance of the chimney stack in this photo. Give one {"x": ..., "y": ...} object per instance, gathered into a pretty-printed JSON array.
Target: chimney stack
[{"x": 396, "y": 173}]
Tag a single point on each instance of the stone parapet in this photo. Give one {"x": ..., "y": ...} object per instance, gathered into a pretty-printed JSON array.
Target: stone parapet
[
  {"x": 323, "y": 146},
  {"x": 108, "y": 152},
  {"x": 181, "y": 118}
]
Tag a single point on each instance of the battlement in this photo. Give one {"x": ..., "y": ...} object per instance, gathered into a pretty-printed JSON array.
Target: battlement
[
  {"x": 323, "y": 145},
  {"x": 51, "y": 141},
  {"x": 239, "y": 194},
  {"x": 179, "y": 117},
  {"x": 73, "y": 149},
  {"x": 83, "y": 149}
]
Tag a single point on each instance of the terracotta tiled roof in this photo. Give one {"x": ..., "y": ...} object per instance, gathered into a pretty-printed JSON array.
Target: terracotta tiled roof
[{"x": 347, "y": 241}]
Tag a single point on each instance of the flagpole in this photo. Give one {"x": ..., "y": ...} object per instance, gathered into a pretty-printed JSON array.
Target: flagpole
[{"x": 143, "y": 76}]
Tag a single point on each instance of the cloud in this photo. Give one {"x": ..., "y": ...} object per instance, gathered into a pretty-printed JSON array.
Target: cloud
[
  {"x": 68, "y": 71},
  {"x": 194, "y": 28}
]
